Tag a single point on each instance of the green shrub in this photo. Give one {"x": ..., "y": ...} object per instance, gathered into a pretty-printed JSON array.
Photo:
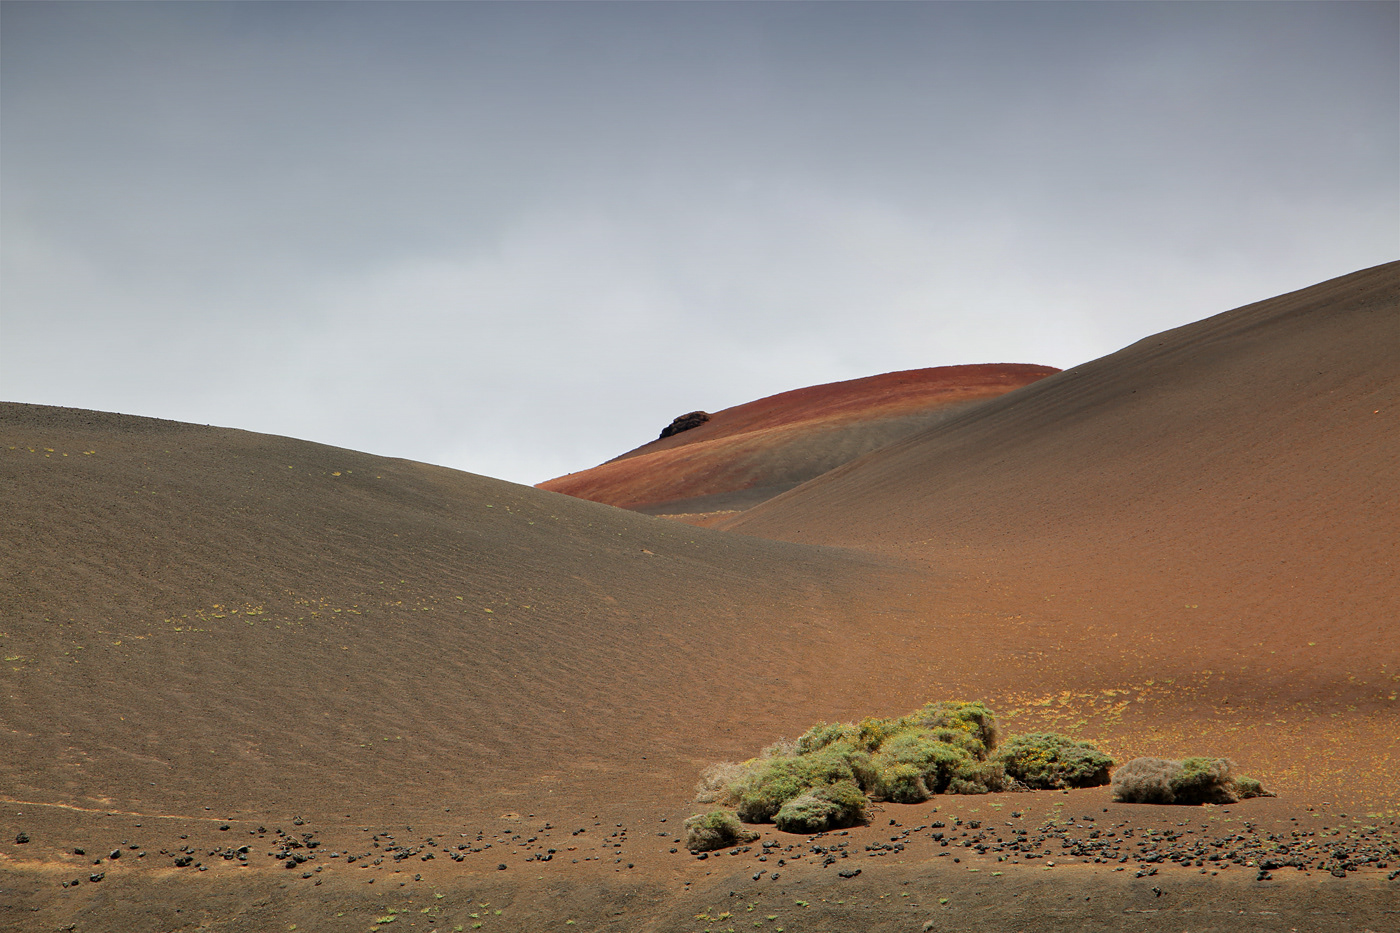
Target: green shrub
[
  {"x": 1046, "y": 761},
  {"x": 823, "y": 734},
  {"x": 1246, "y": 787},
  {"x": 978, "y": 777},
  {"x": 1203, "y": 780},
  {"x": 968, "y": 725},
  {"x": 806, "y": 813},
  {"x": 831, "y": 807},
  {"x": 935, "y": 763},
  {"x": 873, "y": 732},
  {"x": 772, "y": 782},
  {"x": 826, "y": 778},
  {"x": 943, "y": 747},
  {"x": 848, "y": 796},
  {"x": 900, "y": 783},
  {"x": 860, "y": 761},
  {"x": 717, "y": 829}
]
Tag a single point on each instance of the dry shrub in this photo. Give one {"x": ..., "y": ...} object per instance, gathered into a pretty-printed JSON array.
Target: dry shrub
[
  {"x": 1190, "y": 781},
  {"x": 1145, "y": 780},
  {"x": 717, "y": 783},
  {"x": 783, "y": 748}
]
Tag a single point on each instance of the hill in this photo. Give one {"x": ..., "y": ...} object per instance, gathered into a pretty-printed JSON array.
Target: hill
[
  {"x": 749, "y": 453},
  {"x": 1211, "y": 511},
  {"x": 200, "y": 617},
  {"x": 252, "y": 683}
]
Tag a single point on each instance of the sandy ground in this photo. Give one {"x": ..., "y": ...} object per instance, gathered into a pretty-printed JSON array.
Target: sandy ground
[
  {"x": 1210, "y": 513},
  {"x": 1046, "y": 861},
  {"x": 1185, "y": 548}
]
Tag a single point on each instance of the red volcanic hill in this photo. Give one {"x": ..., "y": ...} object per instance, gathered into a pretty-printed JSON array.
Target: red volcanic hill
[{"x": 749, "y": 453}]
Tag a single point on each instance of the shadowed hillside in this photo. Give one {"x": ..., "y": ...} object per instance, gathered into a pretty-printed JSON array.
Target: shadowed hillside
[{"x": 198, "y": 615}]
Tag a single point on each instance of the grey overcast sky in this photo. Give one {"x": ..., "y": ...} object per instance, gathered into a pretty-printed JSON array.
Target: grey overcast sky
[{"x": 518, "y": 239}]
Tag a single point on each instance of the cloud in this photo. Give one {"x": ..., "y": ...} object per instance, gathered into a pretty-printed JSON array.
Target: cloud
[{"x": 519, "y": 239}]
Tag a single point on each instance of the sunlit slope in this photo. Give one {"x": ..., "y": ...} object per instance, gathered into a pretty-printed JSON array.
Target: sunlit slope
[
  {"x": 1212, "y": 512},
  {"x": 1188, "y": 546},
  {"x": 1271, "y": 428},
  {"x": 193, "y": 616},
  {"x": 751, "y": 452}
]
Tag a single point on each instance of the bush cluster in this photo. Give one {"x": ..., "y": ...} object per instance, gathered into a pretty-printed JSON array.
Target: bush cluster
[
  {"x": 1189, "y": 781},
  {"x": 941, "y": 748},
  {"x": 827, "y": 778}
]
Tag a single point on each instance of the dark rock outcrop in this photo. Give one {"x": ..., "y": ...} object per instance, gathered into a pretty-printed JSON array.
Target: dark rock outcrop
[{"x": 685, "y": 422}]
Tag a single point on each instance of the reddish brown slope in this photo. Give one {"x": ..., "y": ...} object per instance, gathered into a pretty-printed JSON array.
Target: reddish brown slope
[
  {"x": 1216, "y": 507},
  {"x": 1282, "y": 413},
  {"x": 208, "y": 632},
  {"x": 751, "y": 452}
]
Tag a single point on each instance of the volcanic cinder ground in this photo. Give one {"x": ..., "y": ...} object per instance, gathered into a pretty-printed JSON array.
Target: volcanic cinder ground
[{"x": 253, "y": 683}]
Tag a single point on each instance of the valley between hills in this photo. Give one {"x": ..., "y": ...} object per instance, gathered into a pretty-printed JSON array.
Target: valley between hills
[{"x": 255, "y": 683}]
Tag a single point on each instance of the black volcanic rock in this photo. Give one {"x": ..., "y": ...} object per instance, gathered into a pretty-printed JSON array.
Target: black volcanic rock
[{"x": 685, "y": 422}]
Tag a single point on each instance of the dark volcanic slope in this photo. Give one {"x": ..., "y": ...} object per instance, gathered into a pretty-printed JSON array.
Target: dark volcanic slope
[
  {"x": 195, "y": 616},
  {"x": 751, "y": 452}
]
